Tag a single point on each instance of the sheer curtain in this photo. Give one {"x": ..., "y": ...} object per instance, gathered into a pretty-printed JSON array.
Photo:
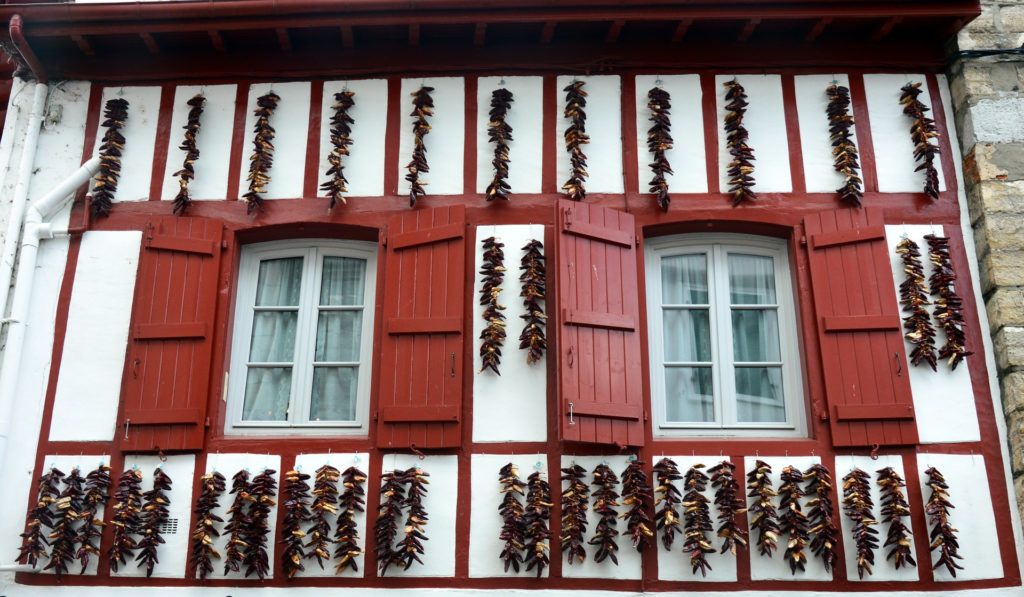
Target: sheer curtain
[
  {"x": 689, "y": 390},
  {"x": 755, "y": 333},
  {"x": 339, "y": 330}
]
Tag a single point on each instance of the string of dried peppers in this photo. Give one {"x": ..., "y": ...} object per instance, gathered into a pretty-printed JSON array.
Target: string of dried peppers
[
  {"x": 894, "y": 509},
  {"x": 535, "y": 518},
  {"x": 499, "y": 133},
  {"x": 575, "y": 138},
  {"x": 914, "y": 299},
  {"x": 741, "y": 168},
  {"x": 821, "y": 515},
  {"x": 512, "y": 512},
  {"x": 729, "y": 505},
  {"x": 410, "y": 548},
  {"x": 422, "y": 108},
  {"x": 205, "y": 533},
  {"x": 40, "y": 518},
  {"x": 191, "y": 149},
  {"x": 858, "y": 505},
  {"x": 533, "y": 280},
  {"x": 697, "y": 515},
  {"x": 262, "y": 491},
  {"x": 62, "y": 538},
  {"x": 845, "y": 157},
  {"x": 922, "y": 131},
  {"x": 341, "y": 138},
  {"x": 325, "y": 503},
  {"x": 154, "y": 515},
  {"x": 295, "y": 499},
  {"x": 126, "y": 518},
  {"x": 669, "y": 498},
  {"x": 637, "y": 496},
  {"x": 949, "y": 307},
  {"x": 238, "y": 520},
  {"x": 392, "y": 492},
  {"x": 493, "y": 335},
  {"x": 115, "y": 114},
  {"x": 659, "y": 141},
  {"x": 575, "y": 501},
  {"x": 943, "y": 534},
  {"x": 346, "y": 536},
  {"x": 97, "y": 488},
  {"x": 606, "y": 498},
  {"x": 262, "y": 158},
  {"x": 792, "y": 521},
  {"x": 764, "y": 518}
]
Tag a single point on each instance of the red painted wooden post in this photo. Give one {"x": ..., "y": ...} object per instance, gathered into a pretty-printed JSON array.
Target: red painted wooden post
[
  {"x": 599, "y": 362},
  {"x": 866, "y": 381},
  {"x": 167, "y": 375},
  {"x": 422, "y": 344}
]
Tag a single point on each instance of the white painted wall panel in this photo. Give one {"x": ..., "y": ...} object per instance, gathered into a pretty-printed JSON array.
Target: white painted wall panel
[
  {"x": 308, "y": 464},
  {"x": 812, "y": 106},
  {"x": 777, "y": 568},
  {"x": 228, "y": 465},
  {"x": 217, "y": 125},
  {"x": 97, "y": 337},
  {"x": 139, "y": 139},
  {"x": 687, "y": 157},
  {"x": 59, "y": 152},
  {"x": 364, "y": 167},
  {"x": 604, "y": 125},
  {"x": 172, "y": 554},
  {"x": 291, "y": 125},
  {"x": 629, "y": 558},
  {"x": 944, "y": 399},
  {"x": 446, "y": 141},
  {"x": 526, "y": 119},
  {"x": 512, "y": 406},
  {"x": 890, "y": 133},
  {"x": 972, "y": 517},
  {"x": 675, "y": 564},
  {"x": 485, "y": 522},
  {"x": 766, "y": 121},
  {"x": 883, "y": 568},
  {"x": 441, "y": 502}
]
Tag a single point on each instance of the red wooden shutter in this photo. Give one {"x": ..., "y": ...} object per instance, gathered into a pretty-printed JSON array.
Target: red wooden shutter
[
  {"x": 860, "y": 329},
  {"x": 600, "y": 391},
  {"x": 167, "y": 376},
  {"x": 421, "y": 362}
]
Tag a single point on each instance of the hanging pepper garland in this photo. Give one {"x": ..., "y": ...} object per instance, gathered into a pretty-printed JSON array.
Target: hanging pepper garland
[
  {"x": 659, "y": 140},
  {"x": 922, "y": 131},
  {"x": 729, "y": 505},
  {"x": 493, "y": 336},
  {"x": 534, "y": 290},
  {"x": 262, "y": 157},
  {"x": 392, "y": 496},
  {"x": 845, "y": 157},
  {"x": 126, "y": 519},
  {"x": 325, "y": 503},
  {"x": 575, "y": 501},
  {"x": 499, "y": 133},
  {"x": 346, "y": 536},
  {"x": 410, "y": 548},
  {"x": 62, "y": 538},
  {"x": 697, "y": 514},
  {"x": 191, "y": 149},
  {"x": 949, "y": 307},
  {"x": 637, "y": 496},
  {"x": 238, "y": 521},
  {"x": 894, "y": 509},
  {"x": 341, "y": 139},
  {"x": 943, "y": 534},
  {"x": 40, "y": 518},
  {"x": 205, "y": 532},
  {"x": 512, "y": 512},
  {"x": 422, "y": 108},
  {"x": 667, "y": 518},
  {"x": 914, "y": 299},
  {"x": 262, "y": 491},
  {"x": 115, "y": 113},
  {"x": 97, "y": 488},
  {"x": 536, "y": 519},
  {"x": 741, "y": 168},
  {"x": 764, "y": 518},
  {"x": 792, "y": 521},
  {"x": 295, "y": 499},
  {"x": 821, "y": 515},
  {"x": 575, "y": 138},
  {"x": 857, "y": 505},
  {"x": 155, "y": 513},
  {"x": 606, "y": 498}
]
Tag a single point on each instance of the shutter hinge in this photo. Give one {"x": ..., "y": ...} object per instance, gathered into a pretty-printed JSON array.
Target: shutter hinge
[
  {"x": 376, "y": 416},
  {"x": 645, "y": 416},
  {"x": 384, "y": 237},
  {"x": 224, "y": 245},
  {"x": 803, "y": 241},
  {"x": 823, "y": 416},
  {"x": 636, "y": 240},
  {"x": 207, "y": 422}
]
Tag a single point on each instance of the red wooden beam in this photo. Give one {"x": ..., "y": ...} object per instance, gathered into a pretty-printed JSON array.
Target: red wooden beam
[
  {"x": 480, "y": 34},
  {"x": 614, "y": 31},
  {"x": 347, "y": 38},
  {"x": 548, "y": 32},
  {"x": 818, "y": 29},
  {"x": 83, "y": 45},
  {"x": 748, "y": 29},
  {"x": 216, "y": 40},
  {"x": 886, "y": 28},
  {"x": 150, "y": 42},
  {"x": 414, "y": 35},
  {"x": 283, "y": 39},
  {"x": 681, "y": 29}
]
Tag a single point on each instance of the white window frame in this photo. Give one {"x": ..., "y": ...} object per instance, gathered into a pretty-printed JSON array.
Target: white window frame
[
  {"x": 313, "y": 252},
  {"x": 716, "y": 247}
]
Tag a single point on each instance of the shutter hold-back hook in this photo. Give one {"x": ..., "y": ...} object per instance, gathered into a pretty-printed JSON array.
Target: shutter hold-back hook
[{"x": 874, "y": 451}]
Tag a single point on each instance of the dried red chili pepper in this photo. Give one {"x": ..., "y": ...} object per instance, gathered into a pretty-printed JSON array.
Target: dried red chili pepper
[
  {"x": 205, "y": 533},
  {"x": 262, "y": 491},
  {"x": 894, "y": 509},
  {"x": 513, "y": 523},
  {"x": 606, "y": 499},
  {"x": 493, "y": 336},
  {"x": 535, "y": 518},
  {"x": 341, "y": 138},
  {"x": 949, "y": 307},
  {"x": 346, "y": 536},
  {"x": 697, "y": 516},
  {"x": 914, "y": 299},
  {"x": 40, "y": 518},
  {"x": 792, "y": 521},
  {"x": 858, "y": 506},
  {"x": 97, "y": 488},
  {"x": 410, "y": 548},
  {"x": 154, "y": 515},
  {"x": 659, "y": 140},
  {"x": 191, "y": 149},
  {"x": 238, "y": 521},
  {"x": 741, "y": 168},
  {"x": 669, "y": 498},
  {"x": 821, "y": 515},
  {"x": 575, "y": 501},
  {"x": 262, "y": 157},
  {"x": 499, "y": 133},
  {"x": 575, "y": 138},
  {"x": 127, "y": 518},
  {"x": 534, "y": 289},
  {"x": 63, "y": 537},
  {"x": 922, "y": 131},
  {"x": 845, "y": 157},
  {"x": 637, "y": 496},
  {"x": 295, "y": 501},
  {"x": 392, "y": 492},
  {"x": 325, "y": 503},
  {"x": 764, "y": 518},
  {"x": 115, "y": 113},
  {"x": 729, "y": 504},
  {"x": 943, "y": 534},
  {"x": 422, "y": 108}
]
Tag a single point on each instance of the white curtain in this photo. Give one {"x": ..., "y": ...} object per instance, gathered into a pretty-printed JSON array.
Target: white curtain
[
  {"x": 337, "y": 340},
  {"x": 755, "y": 334}
]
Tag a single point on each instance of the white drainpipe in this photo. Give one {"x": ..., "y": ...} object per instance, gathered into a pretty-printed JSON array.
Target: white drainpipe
[
  {"x": 36, "y": 229},
  {"x": 10, "y": 124}
]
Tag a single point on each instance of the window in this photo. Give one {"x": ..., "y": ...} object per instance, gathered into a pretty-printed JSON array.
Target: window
[
  {"x": 724, "y": 357},
  {"x": 303, "y": 337}
]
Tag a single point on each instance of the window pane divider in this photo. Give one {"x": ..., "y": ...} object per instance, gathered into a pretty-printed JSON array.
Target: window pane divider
[
  {"x": 743, "y": 307},
  {"x": 336, "y": 363},
  {"x": 271, "y": 364},
  {"x": 275, "y": 308},
  {"x": 757, "y": 364},
  {"x": 704, "y": 364},
  {"x": 686, "y": 306},
  {"x": 340, "y": 307}
]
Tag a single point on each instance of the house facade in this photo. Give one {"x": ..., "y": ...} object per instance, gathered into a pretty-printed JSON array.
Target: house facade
[{"x": 643, "y": 297}]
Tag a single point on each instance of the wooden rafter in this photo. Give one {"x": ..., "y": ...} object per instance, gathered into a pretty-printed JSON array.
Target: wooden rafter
[
  {"x": 818, "y": 29},
  {"x": 216, "y": 40},
  {"x": 479, "y": 34},
  {"x": 748, "y": 29},
  {"x": 548, "y": 32},
  {"x": 886, "y": 28},
  {"x": 614, "y": 30},
  {"x": 347, "y": 37},
  {"x": 681, "y": 29},
  {"x": 150, "y": 42},
  {"x": 83, "y": 45},
  {"x": 283, "y": 39},
  {"x": 414, "y": 35}
]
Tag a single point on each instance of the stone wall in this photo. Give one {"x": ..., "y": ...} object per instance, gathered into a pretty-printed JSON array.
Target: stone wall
[{"x": 987, "y": 80}]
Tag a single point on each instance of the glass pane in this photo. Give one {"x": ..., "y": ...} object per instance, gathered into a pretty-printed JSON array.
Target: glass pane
[
  {"x": 267, "y": 390},
  {"x": 759, "y": 395},
  {"x": 279, "y": 283},
  {"x": 343, "y": 281},
  {"x": 273, "y": 336},
  {"x": 337, "y": 335},
  {"x": 687, "y": 335},
  {"x": 334, "y": 394},
  {"x": 751, "y": 280},
  {"x": 755, "y": 335},
  {"x": 688, "y": 395},
  {"x": 684, "y": 280}
]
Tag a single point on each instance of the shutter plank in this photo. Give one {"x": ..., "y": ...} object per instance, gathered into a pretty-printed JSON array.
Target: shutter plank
[{"x": 862, "y": 323}]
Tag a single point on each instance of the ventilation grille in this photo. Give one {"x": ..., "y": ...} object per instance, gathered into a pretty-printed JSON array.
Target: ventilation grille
[{"x": 170, "y": 527}]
